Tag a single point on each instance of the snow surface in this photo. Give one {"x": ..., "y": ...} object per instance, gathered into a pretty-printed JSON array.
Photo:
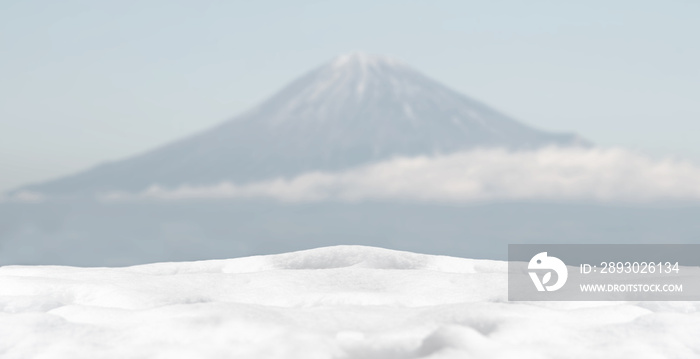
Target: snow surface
[{"x": 333, "y": 302}]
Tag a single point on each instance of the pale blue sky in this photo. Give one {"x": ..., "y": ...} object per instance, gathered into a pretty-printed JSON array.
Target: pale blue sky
[{"x": 82, "y": 82}]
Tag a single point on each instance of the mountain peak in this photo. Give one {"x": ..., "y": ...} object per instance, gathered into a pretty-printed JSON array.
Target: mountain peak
[
  {"x": 363, "y": 60},
  {"x": 355, "y": 109}
]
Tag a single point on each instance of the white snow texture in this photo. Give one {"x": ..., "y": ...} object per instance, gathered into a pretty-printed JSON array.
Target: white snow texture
[{"x": 333, "y": 302}]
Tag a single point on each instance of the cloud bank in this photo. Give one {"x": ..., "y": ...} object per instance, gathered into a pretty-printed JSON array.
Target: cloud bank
[
  {"x": 481, "y": 175},
  {"x": 23, "y": 197}
]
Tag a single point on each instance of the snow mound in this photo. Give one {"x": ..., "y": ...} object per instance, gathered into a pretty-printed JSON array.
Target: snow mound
[{"x": 334, "y": 302}]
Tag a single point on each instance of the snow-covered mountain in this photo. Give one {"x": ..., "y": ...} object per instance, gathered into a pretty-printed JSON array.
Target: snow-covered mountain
[{"x": 353, "y": 110}]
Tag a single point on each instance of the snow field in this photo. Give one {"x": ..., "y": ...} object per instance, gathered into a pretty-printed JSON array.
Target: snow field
[{"x": 333, "y": 302}]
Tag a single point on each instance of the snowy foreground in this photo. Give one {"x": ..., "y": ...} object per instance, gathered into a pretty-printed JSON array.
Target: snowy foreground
[{"x": 334, "y": 302}]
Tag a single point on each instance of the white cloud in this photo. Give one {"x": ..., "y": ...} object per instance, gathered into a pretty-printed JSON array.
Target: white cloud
[
  {"x": 488, "y": 174},
  {"x": 23, "y": 197}
]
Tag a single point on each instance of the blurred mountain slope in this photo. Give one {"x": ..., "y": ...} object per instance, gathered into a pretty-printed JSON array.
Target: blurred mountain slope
[{"x": 353, "y": 110}]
